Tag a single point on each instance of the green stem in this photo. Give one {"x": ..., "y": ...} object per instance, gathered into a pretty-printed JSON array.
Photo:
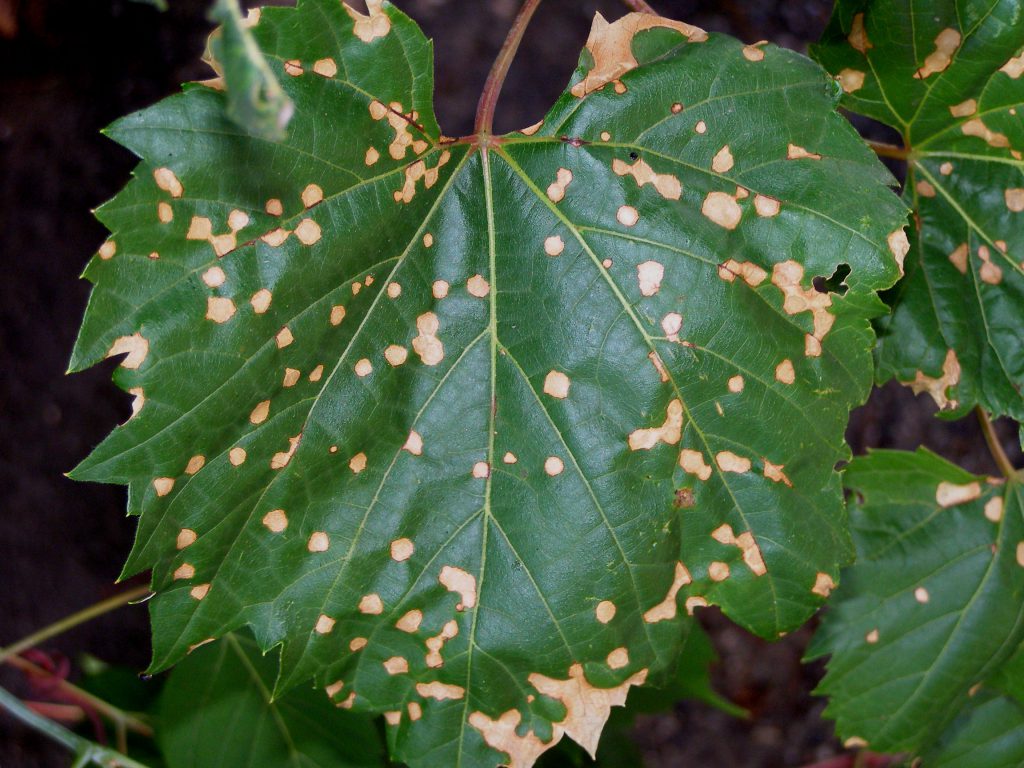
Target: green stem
[
  {"x": 86, "y": 752},
  {"x": 59, "y": 627},
  {"x": 994, "y": 446},
  {"x": 640, "y": 6},
  {"x": 883, "y": 149},
  {"x": 116, "y": 715},
  {"x": 496, "y": 78}
]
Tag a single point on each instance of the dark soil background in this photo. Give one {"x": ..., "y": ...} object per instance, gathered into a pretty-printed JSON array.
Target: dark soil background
[{"x": 67, "y": 68}]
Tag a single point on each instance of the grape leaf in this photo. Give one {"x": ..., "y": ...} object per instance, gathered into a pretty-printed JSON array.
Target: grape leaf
[
  {"x": 934, "y": 604},
  {"x": 216, "y": 710},
  {"x": 458, "y": 422},
  {"x": 947, "y": 75}
]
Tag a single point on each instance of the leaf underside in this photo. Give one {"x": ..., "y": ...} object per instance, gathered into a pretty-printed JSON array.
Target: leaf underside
[
  {"x": 947, "y": 74},
  {"x": 932, "y": 609},
  {"x": 464, "y": 428}
]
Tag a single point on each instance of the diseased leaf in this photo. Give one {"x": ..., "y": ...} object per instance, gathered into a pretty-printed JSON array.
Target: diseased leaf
[
  {"x": 216, "y": 710},
  {"x": 947, "y": 75},
  {"x": 934, "y": 604},
  {"x": 458, "y": 423}
]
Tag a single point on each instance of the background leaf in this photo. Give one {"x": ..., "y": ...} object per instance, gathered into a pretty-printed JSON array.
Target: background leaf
[
  {"x": 458, "y": 426},
  {"x": 947, "y": 76},
  {"x": 934, "y": 605}
]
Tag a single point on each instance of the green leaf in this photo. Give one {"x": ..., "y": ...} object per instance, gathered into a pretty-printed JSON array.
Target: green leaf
[
  {"x": 989, "y": 733},
  {"x": 458, "y": 422},
  {"x": 934, "y": 604},
  {"x": 947, "y": 76},
  {"x": 216, "y": 710},
  {"x": 256, "y": 101}
]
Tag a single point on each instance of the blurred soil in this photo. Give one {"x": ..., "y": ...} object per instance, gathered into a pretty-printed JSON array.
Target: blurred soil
[{"x": 71, "y": 68}]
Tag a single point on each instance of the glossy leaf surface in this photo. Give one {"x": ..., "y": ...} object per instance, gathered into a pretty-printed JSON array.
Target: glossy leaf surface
[
  {"x": 947, "y": 75},
  {"x": 464, "y": 425},
  {"x": 934, "y": 605}
]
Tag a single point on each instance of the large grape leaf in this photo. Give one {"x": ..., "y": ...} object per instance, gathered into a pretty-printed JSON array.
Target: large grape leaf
[
  {"x": 458, "y": 422},
  {"x": 934, "y": 605},
  {"x": 216, "y": 711},
  {"x": 947, "y": 75}
]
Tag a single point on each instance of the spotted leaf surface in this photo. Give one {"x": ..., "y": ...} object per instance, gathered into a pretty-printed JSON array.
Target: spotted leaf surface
[
  {"x": 467, "y": 426},
  {"x": 947, "y": 75},
  {"x": 934, "y": 605},
  {"x": 216, "y": 710}
]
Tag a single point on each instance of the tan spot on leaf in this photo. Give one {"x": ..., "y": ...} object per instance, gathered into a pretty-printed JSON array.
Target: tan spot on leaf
[
  {"x": 274, "y": 207},
  {"x": 393, "y": 717},
  {"x": 396, "y": 665},
  {"x": 722, "y": 161},
  {"x": 478, "y": 286},
  {"x": 718, "y": 571},
  {"x": 357, "y": 463},
  {"x": 627, "y": 216},
  {"x": 605, "y": 611},
  {"x": 276, "y": 521},
  {"x": 667, "y": 185},
  {"x": 199, "y": 591},
  {"x": 293, "y": 67},
  {"x": 325, "y": 67},
  {"x": 481, "y": 470},
  {"x": 899, "y": 246},
  {"x": 775, "y": 473},
  {"x": 415, "y": 711},
  {"x": 373, "y": 24},
  {"x": 260, "y": 301},
  {"x": 858, "y": 37},
  {"x": 586, "y": 708},
  {"x": 785, "y": 373},
  {"x": 363, "y": 368},
  {"x": 649, "y": 275},
  {"x": 163, "y": 485},
  {"x": 107, "y": 250},
  {"x": 753, "y": 52},
  {"x": 426, "y": 344},
  {"x": 402, "y": 549},
  {"x": 349, "y": 702},
  {"x": 394, "y": 290},
  {"x": 964, "y": 108},
  {"x": 766, "y": 206},
  {"x": 284, "y": 337},
  {"x": 324, "y": 624},
  {"x": 275, "y": 237},
  {"x": 532, "y": 129},
  {"x": 553, "y": 466},
  {"x": 921, "y": 595},
  {"x": 693, "y": 603},
  {"x": 436, "y": 644},
  {"x": 502, "y": 734},
  {"x": 237, "y": 456},
  {"x": 990, "y": 272},
  {"x": 357, "y": 644},
  {"x": 925, "y": 189},
  {"x": 751, "y": 273},
  {"x": 787, "y": 277},
  {"x": 671, "y": 324},
  {"x": 978, "y": 128},
  {"x": 659, "y": 366},
  {"x": 417, "y": 171},
  {"x": 994, "y": 509},
  {"x": 281, "y": 459},
  {"x": 138, "y": 400},
  {"x": 219, "y": 309},
  {"x": 1014, "y": 67},
  {"x": 1015, "y": 199},
  {"x": 260, "y": 412},
  {"x": 308, "y": 232},
  {"x": 186, "y": 538},
  {"x": 136, "y": 346},
  {"x": 372, "y": 156},
  {"x": 164, "y": 213},
  {"x": 316, "y": 374},
  {"x": 851, "y": 80},
  {"x": 722, "y": 209},
  {"x": 556, "y": 384},
  {"x": 669, "y": 432},
  {"x": 618, "y": 658},
  {"x": 457, "y": 580},
  {"x": 855, "y": 742},
  {"x": 701, "y": 127},
  {"x": 439, "y": 289},
  {"x": 410, "y": 622},
  {"x": 937, "y": 387},
  {"x": 823, "y": 585},
  {"x": 337, "y": 314},
  {"x": 736, "y": 384},
  {"x": 440, "y": 691},
  {"x": 556, "y": 189},
  {"x": 428, "y": 240},
  {"x": 312, "y": 195},
  {"x": 510, "y": 458},
  {"x": 1020, "y": 553},
  {"x": 666, "y": 609},
  {"x": 611, "y": 47},
  {"x": 319, "y": 541},
  {"x": 949, "y": 494},
  {"x": 794, "y": 152},
  {"x": 184, "y": 571},
  {"x": 871, "y": 637},
  {"x": 371, "y": 604},
  {"x": 334, "y": 688},
  {"x": 751, "y": 552},
  {"x": 291, "y": 377},
  {"x": 167, "y": 181},
  {"x": 693, "y": 463},
  {"x": 946, "y": 43},
  {"x": 553, "y": 246},
  {"x": 729, "y": 462}
]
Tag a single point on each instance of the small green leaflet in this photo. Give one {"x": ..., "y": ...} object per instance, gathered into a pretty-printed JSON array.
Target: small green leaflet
[
  {"x": 934, "y": 605},
  {"x": 947, "y": 75},
  {"x": 465, "y": 426},
  {"x": 216, "y": 710}
]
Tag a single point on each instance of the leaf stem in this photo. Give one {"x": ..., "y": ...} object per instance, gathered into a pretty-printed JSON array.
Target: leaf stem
[
  {"x": 496, "y": 78},
  {"x": 882, "y": 149},
  {"x": 994, "y": 446},
  {"x": 640, "y": 6},
  {"x": 116, "y": 715},
  {"x": 86, "y": 752},
  {"x": 68, "y": 622}
]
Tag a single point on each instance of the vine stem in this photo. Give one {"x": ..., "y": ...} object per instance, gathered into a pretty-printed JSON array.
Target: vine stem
[
  {"x": 640, "y": 6},
  {"x": 86, "y": 752},
  {"x": 496, "y": 77},
  {"x": 68, "y": 622},
  {"x": 882, "y": 149},
  {"x": 994, "y": 446}
]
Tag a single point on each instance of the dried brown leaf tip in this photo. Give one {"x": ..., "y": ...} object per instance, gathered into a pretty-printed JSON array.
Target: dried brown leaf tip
[{"x": 611, "y": 46}]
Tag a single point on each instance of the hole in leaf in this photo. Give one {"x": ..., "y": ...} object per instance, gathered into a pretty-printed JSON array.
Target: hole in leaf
[{"x": 835, "y": 283}]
